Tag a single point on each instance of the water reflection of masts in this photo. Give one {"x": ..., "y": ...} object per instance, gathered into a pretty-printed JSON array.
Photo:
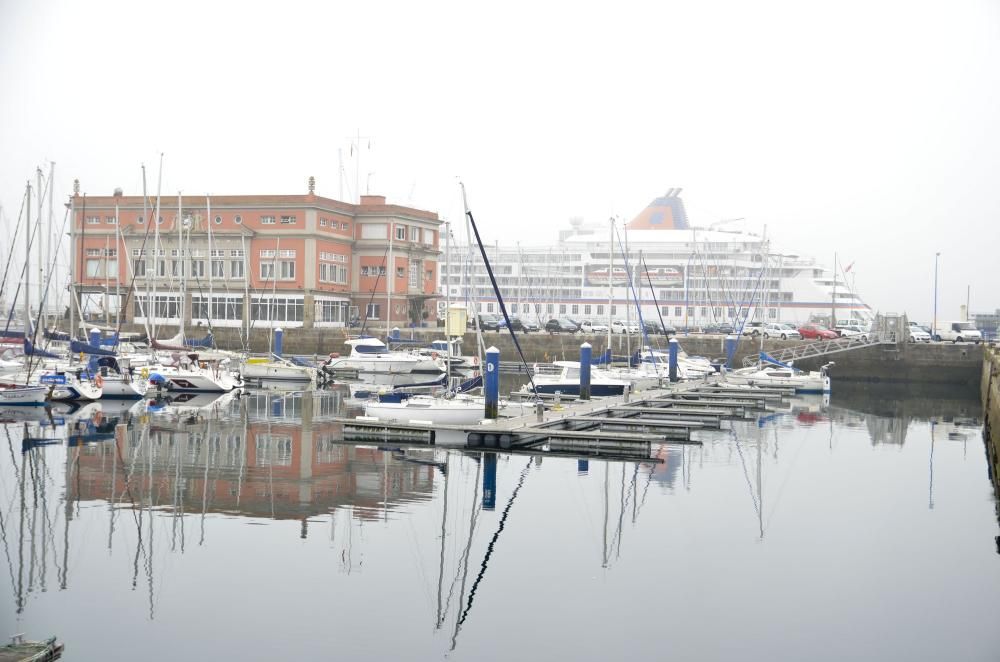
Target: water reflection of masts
[
  {"x": 444, "y": 520},
  {"x": 464, "y": 561},
  {"x": 489, "y": 551}
]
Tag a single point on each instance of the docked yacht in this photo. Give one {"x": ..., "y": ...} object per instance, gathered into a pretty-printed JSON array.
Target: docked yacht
[
  {"x": 21, "y": 395},
  {"x": 567, "y": 381},
  {"x": 775, "y": 373},
  {"x": 372, "y": 355},
  {"x": 256, "y": 369},
  {"x": 198, "y": 376},
  {"x": 458, "y": 410}
]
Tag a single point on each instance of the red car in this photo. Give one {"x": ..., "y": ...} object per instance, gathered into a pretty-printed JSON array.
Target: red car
[{"x": 816, "y": 332}]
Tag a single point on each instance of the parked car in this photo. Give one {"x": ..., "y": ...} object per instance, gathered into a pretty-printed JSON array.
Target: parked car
[
  {"x": 958, "y": 332},
  {"x": 575, "y": 321},
  {"x": 593, "y": 327},
  {"x": 487, "y": 322},
  {"x": 519, "y": 324},
  {"x": 653, "y": 327},
  {"x": 860, "y": 327},
  {"x": 919, "y": 335},
  {"x": 725, "y": 328},
  {"x": 753, "y": 329},
  {"x": 560, "y": 326},
  {"x": 783, "y": 331},
  {"x": 848, "y": 332},
  {"x": 816, "y": 332},
  {"x": 619, "y": 326}
]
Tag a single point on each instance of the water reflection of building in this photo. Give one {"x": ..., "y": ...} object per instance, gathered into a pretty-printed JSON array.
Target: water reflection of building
[{"x": 289, "y": 466}]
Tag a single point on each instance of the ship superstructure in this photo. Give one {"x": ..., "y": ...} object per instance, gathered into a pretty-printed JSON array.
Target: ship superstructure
[{"x": 696, "y": 276}]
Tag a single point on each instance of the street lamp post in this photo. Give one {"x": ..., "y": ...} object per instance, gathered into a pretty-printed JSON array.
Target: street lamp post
[{"x": 934, "y": 325}]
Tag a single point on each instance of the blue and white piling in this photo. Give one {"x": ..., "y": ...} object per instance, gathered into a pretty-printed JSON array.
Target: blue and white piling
[
  {"x": 675, "y": 348},
  {"x": 279, "y": 341},
  {"x": 491, "y": 383},
  {"x": 585, "y": 354},
  {"x": 730, "y": 345}
]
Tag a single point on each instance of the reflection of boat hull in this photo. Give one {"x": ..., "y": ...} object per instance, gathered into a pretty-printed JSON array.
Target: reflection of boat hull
[
  {"x": 385, "y": 364},
  {"x": 273, "y": 371},
  {"x": 461, "y": 410},
  {"x": 185, "y": 381}
]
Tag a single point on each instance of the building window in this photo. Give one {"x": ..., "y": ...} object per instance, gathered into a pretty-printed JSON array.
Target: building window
[
  {"x": 345, "y": 226},
  {"x": 513, "y": 308},
  {"x": 429, "y": 237},
  {"x": 198, "y": 268},
  {"x": 677, "y": 311},
  {"x": 600, "y": 310},
  {"x": 238, "y": 219},
  {"x": 430, "y": 274},
  {"x": 236, "y": 269},
  {"x": 665, "y": 310},
  {"x": 732, "y": 312},
  {"x": 93, "y": 220},
  {"x": 562, "y": 309},
  {"x": 415, "y": 274},
  {"x": 139, "y": 220},
  {"x": 218, "y": 268},
  {"x": 276, "y": 308},
  {"x": 217, "y": 308},
  {"x": 332, "y": 311},
  {"x": 586, "y": 309},
  {"x": 401, "y": 232},
  {"x": 267, "y": 270},
  {"x": 288, "y": 220},
  {"x": 614, "y": 309},
  {"x": 772, "y": 313},
  {"x": 139, "y": 267},
  {"x": 322, "y": 222},
  {"x": 550, "y": 308},
  {"x": 415, "y": 234},
  {"x": 489, "y": 307},
  {"x": 218, "y": 220},
  {"x": 177, "y": 269},
  {"x": 267, "y": 220},
  {"x": 400, "y": 272},
  {"x": 111, "y": 220},
  {"x": 372, "y": 311},
  {"x": 575, "y": 309},
  {"x": 704, "y": 311},
  {"x": 364, "y": 271},
  {"x": 159, "y": 220}
]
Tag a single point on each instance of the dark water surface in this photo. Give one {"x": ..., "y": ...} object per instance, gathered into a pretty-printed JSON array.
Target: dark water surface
[{"x": 862, "y": 529}]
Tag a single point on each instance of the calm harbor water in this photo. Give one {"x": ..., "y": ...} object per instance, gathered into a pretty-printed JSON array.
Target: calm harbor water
[{"x": 862, "y": 529}]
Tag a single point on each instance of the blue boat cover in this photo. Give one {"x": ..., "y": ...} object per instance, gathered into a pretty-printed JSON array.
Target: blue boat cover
[
  {"x": 767, "y": 358},
  {"x": 31, "y": 350},
  {"x": 86, "y": 348},
  {"x": 207, "y": 341}
]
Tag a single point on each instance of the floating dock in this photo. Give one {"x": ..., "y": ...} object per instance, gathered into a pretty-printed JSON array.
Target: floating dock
[{"x": 620, "y": 427}]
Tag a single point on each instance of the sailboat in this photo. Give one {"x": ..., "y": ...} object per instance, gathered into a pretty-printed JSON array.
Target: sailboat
[
  {"x": 372, "y": 355},
  {"x": 771, "y": 372}
]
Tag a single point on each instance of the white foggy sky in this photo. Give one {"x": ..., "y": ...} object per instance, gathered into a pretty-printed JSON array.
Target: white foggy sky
[{"x": 866, "y": 128}]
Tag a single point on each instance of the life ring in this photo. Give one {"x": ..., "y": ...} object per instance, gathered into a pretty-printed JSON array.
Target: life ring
[
  {"x": 475, "y": 360},
  {"x": 99, "y": 381}
]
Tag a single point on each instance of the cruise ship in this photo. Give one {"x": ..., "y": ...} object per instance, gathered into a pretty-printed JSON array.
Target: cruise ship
[{"x": 691, "y": 277}]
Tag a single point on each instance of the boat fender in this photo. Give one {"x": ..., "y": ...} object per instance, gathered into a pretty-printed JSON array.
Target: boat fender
[
  {"x": 334, "y": 355},
  {"x": 475, "y": 360},
  {"x": 434, "y": 355},
  {"x": 99, "y": 381}
]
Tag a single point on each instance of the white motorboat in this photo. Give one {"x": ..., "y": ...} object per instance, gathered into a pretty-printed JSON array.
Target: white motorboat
[
  {"x": 767, "y": 374},
  {"x": 20, "y": 395},
  {"x": 195, "y": 377},
  {"x": 567, "y": 381},
  {"x": 458, "y": 410},
  {"x": 372, "y": 355},
  {"x": 264, "y": 369}
]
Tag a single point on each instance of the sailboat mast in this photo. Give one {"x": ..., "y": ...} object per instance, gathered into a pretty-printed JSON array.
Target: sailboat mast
[
  {"x": 41, "y": 252},
  {"x": 120, "y": 254},
  {"x": 156, "y": 242},
  {"x": 447, "y": 308},
  {"x": 390, "y": 275},
  {"x": 211, "y": 263},
  {"x": 48, "y": 244},
  {"x": 72, "y": 262},
  {"x": 182, "y": 256},
  {"x": 475, "y": 307},
  {"x": 27, "y": 265},
  {"x": 611, "y": 276}
]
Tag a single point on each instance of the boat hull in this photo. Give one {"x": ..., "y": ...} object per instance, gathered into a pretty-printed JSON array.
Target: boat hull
[
  {"x": 278, "y": 372},
  {"x": 25, "y": 396},
  {"x": 117, "y": 388},
  {"x": 387, "y": 365}
]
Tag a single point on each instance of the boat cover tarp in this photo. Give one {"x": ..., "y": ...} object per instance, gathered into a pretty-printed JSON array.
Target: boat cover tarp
[
  {"x": 207, "y": 341},
  {"x": 470, "y": 384},
  {"x": 767, "y": 358},
  {"x": 31, "y": 350},
  {"x": 603, "y": 359},
  {"x": 76, "y": 346}
]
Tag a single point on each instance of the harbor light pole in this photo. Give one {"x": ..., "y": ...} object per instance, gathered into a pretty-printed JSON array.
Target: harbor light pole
[{"x": 934, "y": 324}]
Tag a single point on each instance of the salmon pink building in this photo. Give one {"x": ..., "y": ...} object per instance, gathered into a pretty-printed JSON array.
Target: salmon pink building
[{"x": 260, "y": 260}]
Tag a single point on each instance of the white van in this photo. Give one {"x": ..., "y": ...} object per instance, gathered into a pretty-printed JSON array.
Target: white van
[{"x": 958, "y": 332}]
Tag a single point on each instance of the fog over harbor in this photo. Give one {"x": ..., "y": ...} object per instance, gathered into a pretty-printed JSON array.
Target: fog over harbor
[{"x": 862, "y": 129}]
